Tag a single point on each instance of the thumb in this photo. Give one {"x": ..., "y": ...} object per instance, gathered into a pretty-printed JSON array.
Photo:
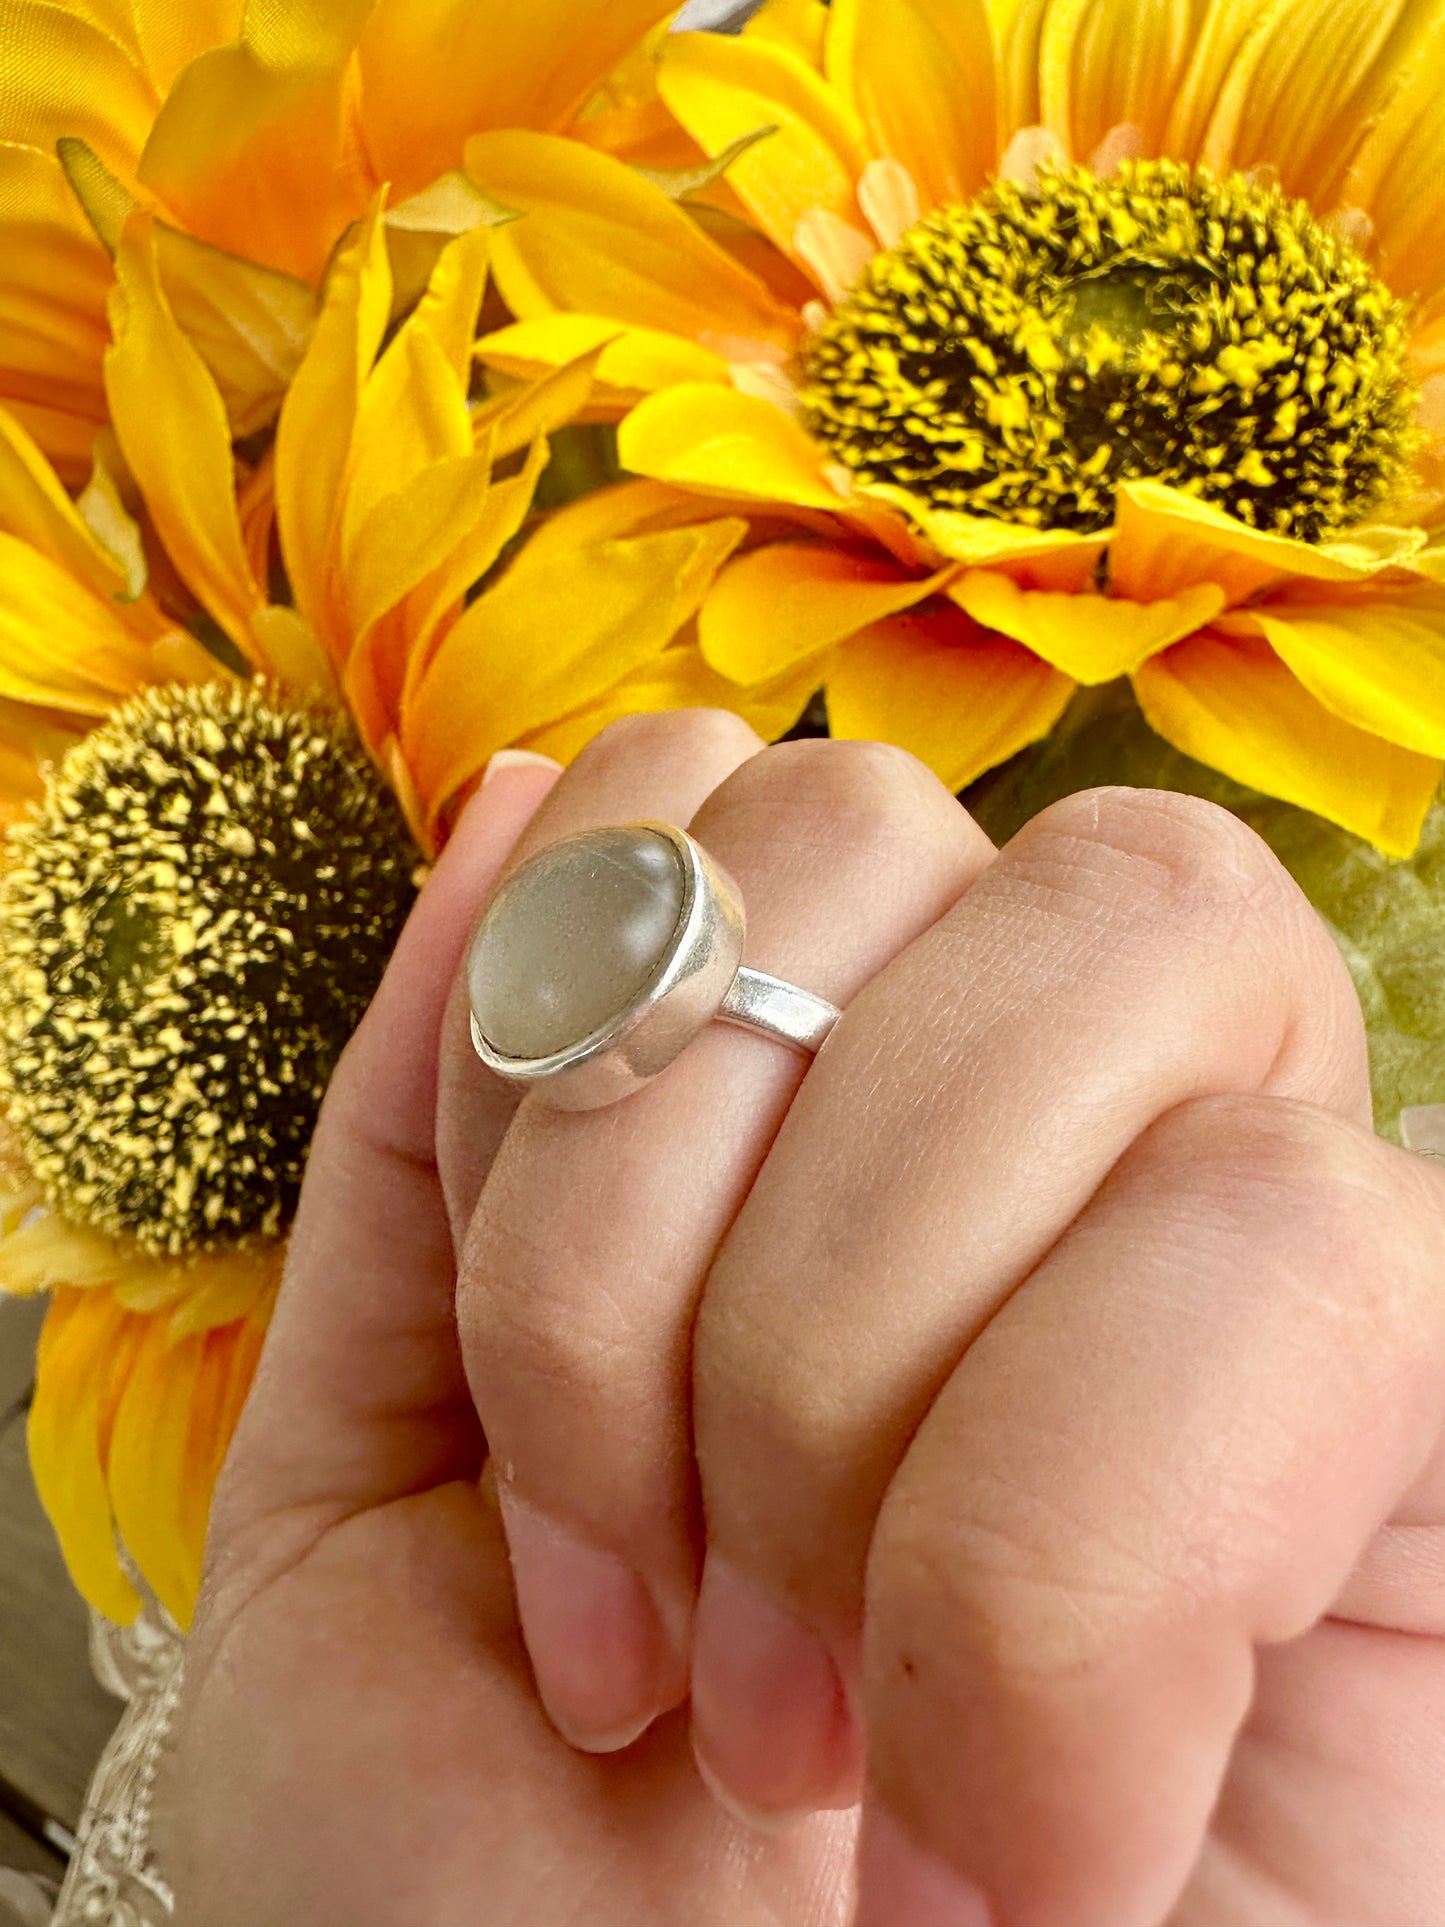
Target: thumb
[{"x": 360, "y": 1395}]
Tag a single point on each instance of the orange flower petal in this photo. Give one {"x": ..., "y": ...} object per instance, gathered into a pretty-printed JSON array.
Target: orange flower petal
[
  {"x": 86, "y": 1341},
  {"x": 783, "y": 604},
  {"x": 921, "y": 76},
  {"x": 177, "y": 441},
  {"x": 478, "y": 64},
  {"x": 256, "y": 148},
  {"x": 1166, "y": 541},
  {"x": 600, "y": 239},
  {"x": 936, "y": 684},
  {"x": 725, "y": 443},
  {"x": 1230, "y": 702},
  {"x": 1091, "y": 638},
  {"x": 721, "y": 89}
]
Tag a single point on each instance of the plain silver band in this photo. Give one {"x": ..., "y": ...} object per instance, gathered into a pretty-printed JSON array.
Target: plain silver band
[{"x": 777, "y": 1009}]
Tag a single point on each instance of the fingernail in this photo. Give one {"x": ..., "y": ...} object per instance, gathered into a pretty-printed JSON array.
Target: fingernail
[
  {"x": 901, "y": 1885},
  {"x": 604, "y": 1666},
  {"x": 771, "y": 1725},
  {"x": 516, "y": 759}
]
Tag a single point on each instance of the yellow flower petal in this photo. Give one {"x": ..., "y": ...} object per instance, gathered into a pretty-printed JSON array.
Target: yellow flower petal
[
  {"x": 114, "y": 529},
  {"x": 173, "y": 430},
  {"x": 249, "y": 324},
  {"x": 1311, "y": 81},
  {"x": 958, "y": 698},
  {"x": 168, "y": 37},
  {"x": 1091, "y": 638},
  {"x": 1377, "y": 661},
  {"x": 499, "y": 519},
  {"x": 522, "y": 415},
  {"x": 799, "y": 25},
  {"x": 1231, "y": 703},
  {"x": 60, "y": 646},
  {"x": 721, "y": 89},
  {"x": 30, "y": 741},
  {"x": 604, "y": 610},
  {"x": 411, "y": 532},
  {"x": 314, "y": 434},
  {"x": 1165, "y": 541},
  {"x": 724, "y": 443},
  {"x": 53, "y": 283},
  {"x": 1050, "y": 558},
  {"x": 256, "y": 148},
  {"x": 599, "y": 238},
  {"x": 680, "y": 678},
  {"x": 282, "y": 644},
  {"x": 792, "y": 600},
  {"x": 1398, "y": 177},
  {"x": 435, "y": 71},
  {"x": 34, "y": 507},
  {"x": 64, "y": 74},
  {"x": 86, "y": 1342},
  {"x": 626, "y": 508},
  {"x": 412, "y": 414},
  {"x": 921, "y": 77},
  {"x": 632, "y": 359},
  {"x": 148, "y": 1462}
]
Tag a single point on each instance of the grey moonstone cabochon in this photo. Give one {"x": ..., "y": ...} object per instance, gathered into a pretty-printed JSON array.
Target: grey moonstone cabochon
[{"x": 572, "y": 939}]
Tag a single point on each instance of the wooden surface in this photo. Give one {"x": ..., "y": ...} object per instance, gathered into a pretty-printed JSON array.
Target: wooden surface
[
  {"x": 54, "y": 1717},
  {"x": 22, "y": 1851}
]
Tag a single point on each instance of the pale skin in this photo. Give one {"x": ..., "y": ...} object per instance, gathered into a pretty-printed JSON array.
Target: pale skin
[{"x": 1029, "y": 1425}]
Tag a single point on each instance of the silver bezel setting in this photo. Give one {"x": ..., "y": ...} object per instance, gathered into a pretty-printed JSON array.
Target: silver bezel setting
[{"x": 683, "y": 995}]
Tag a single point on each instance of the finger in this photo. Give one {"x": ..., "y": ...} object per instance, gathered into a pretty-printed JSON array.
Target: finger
[
  {"x": 360, "y": 1393},
  {"x": 661, "y": 767},
  {"x": 1167, "y": 1451},
  {"x": 595, "y": 1231},
  {"x": 1128, "y": 951}
]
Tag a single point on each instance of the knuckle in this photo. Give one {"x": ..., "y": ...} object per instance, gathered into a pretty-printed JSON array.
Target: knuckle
[
  {"x": 1270, "y": 1157},
  {"x": 1296, "y": 1194},
  {"x": 1159, "y": 854},
  {"x": 1020, "y": 1590},
  {"x": 845, "y": 794},
  {"x": 716, "y": 734}
]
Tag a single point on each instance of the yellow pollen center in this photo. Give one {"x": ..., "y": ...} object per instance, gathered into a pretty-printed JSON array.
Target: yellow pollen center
[
  {"x": 1025, "y": 354},
  {"x": 191, "y": 924}
]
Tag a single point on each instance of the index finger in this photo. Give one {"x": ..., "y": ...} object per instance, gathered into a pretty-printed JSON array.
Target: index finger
[{"x": 360, "y": 1394}]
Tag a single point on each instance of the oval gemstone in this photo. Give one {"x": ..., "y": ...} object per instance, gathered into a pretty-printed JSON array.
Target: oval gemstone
[{"x": 573, "y": 939}]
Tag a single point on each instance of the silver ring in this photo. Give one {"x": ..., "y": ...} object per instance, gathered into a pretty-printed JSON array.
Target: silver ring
[{"x": 600, "y": 960}]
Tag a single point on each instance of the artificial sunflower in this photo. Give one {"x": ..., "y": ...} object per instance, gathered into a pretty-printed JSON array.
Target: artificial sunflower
[
  {"x": 213, "y": 848},
  {"x": 1121, "y": 352},
  {"x": 258, "y": 131}
]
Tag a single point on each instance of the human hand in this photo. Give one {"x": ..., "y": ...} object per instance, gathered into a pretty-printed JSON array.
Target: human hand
[{"x": 1075, "y": 1343}]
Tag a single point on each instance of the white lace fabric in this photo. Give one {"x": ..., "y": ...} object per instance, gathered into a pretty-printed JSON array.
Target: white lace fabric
[{"x": 113, "y": 1880}]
